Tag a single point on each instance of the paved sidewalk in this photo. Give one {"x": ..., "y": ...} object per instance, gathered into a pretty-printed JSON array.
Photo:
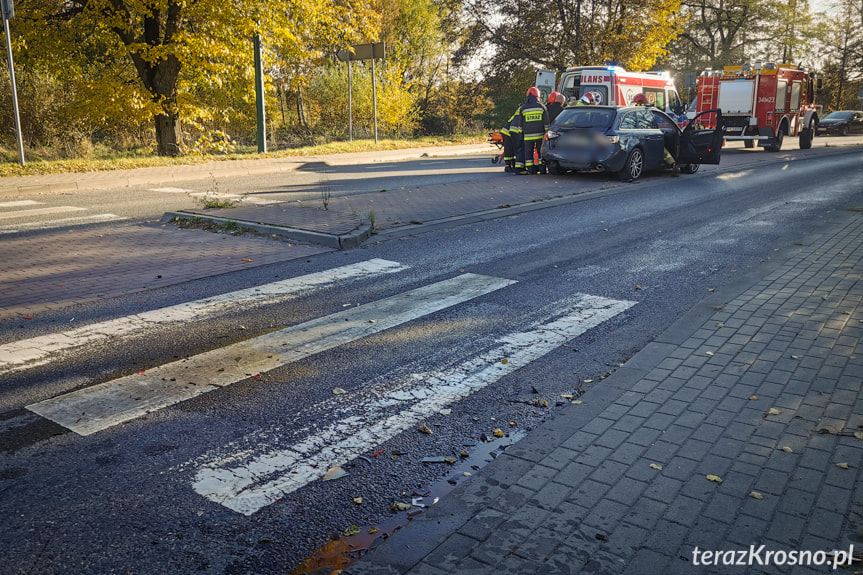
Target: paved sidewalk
[{"x": 760, "y": 388}]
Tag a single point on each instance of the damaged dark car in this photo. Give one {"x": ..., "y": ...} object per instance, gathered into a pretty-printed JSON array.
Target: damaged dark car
[{"x": 629, "y": 141}]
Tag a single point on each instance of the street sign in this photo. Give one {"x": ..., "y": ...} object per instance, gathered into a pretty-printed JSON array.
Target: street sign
[
  {"x": 8, "y": 9},
  {"x": 363, "y": 52},
  {"x": 689, "y": 79}
]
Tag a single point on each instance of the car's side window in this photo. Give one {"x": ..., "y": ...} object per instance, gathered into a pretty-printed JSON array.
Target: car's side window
[
  {"x": 629, "y": 122},
  {"x": 646, "y": 121},
  {"x": 663, "y": 122}
]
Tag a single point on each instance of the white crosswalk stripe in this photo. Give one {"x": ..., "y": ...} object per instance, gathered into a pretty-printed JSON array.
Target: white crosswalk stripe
[
  {"x": 102, "y": 406},
  {"x": 249, "y": 477},
  {"x": 39, "y": 213},
  {"x": 29, "y": 353},
  {"x": 18, "y": 203}
]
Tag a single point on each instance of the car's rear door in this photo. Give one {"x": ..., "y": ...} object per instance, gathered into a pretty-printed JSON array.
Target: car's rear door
[{"x": 699, "y": 145}]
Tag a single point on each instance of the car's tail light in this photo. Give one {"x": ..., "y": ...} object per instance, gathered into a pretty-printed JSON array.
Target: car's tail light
[{"x": 550, "y": 135}]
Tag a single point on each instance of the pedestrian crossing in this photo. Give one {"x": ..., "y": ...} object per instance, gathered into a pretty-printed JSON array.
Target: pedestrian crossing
[
  {"x": 28, "y": 353},
  {"x": 102, "y": 406},
  {"x": 260, "y": 475},
  {"x": 35, "y": 218},
  {"x": 252, "y": 472}
]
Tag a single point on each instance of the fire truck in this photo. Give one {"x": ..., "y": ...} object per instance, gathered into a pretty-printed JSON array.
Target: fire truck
[
  {"x": 762, "y": 103},
  {"x": 614, "y": 86}
]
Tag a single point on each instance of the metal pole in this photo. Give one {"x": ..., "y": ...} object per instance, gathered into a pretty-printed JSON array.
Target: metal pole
[
  {"x": 375, "y": 100},
  {"x": 259, "y": 96},
  {"x": 14, "y": 90},
  {"x": 350, "y": 103}
]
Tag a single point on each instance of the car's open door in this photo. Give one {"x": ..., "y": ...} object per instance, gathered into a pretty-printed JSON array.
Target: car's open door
[{"x": 700, "y": 145}]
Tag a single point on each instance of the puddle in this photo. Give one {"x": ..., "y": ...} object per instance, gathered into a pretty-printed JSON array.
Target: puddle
[{"x": 339, "y": 554}]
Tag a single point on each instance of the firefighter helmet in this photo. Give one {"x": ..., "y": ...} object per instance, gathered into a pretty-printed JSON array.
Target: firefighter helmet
[
  {"x": 587, "y": 99},
  {"x": 553, "y": 97},
  {"x": 640, "y": 100},
  {"x": 533, "y": 91}
]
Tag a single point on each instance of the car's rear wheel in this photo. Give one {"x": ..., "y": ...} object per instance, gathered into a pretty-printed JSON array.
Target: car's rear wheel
[
  {"x": 634, "y": 166},
  {"x": 554, "y": 169}
]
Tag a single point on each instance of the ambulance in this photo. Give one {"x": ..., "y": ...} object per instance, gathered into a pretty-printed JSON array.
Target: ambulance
[{"x": 614, "y": 86}]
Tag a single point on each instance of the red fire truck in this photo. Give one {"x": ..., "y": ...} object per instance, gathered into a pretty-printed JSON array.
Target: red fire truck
[
  {"x": 762, "y": 103},
  {"x": 614, "y": 86}
]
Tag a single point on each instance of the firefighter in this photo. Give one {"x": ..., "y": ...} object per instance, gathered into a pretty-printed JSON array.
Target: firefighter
[
  {"x": 533, "y": 123},
  {"x": 586, "y": 100},
  {"x": 639, "y": 100},
  {"x": 556, "y": 100},
  {"x": 517, "y": 138},
  {"x": 508, "y": 148}
]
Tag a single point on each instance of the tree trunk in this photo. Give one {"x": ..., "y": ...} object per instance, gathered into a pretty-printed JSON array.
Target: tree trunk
[
  {"x": 166, "y": 134},
  {"x": 159, "y": 76},
  {"x": 301, "y": 108}
]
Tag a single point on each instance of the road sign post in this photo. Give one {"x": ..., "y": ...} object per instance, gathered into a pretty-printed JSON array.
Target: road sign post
[
  {"x": 8, "y": 11},
  {"x": 259, "y": 96},
  {"x": 363, "y": 52}
]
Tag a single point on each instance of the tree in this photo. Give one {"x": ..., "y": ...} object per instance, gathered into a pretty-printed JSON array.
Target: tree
[
  {"x": 557, "y": 34},
  {"x": 839, "y": 40},
  {"x": 181, "y": 51}
]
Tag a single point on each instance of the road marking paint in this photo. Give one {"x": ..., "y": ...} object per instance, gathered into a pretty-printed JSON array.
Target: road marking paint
[
  {"x": 259, "y": 201},
  {"x": 39, "y": 212},
  {"x": 235, "y": 197},
  {"x": 253, "y": 479},
  {"x": 11, "y": 229},
  {"x": 102, "y": 406},
  {"x": 28, "y": 353},
  {"x": 19, "y": 203},
  {"x": 170, "y": 190}
]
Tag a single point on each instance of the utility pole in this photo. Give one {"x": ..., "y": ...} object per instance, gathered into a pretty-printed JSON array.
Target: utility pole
[{"x": 8, "y": 11}]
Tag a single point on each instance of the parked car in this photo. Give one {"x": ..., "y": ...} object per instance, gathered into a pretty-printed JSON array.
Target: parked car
[
  {"x": 628, "y": 141},
  {"x": 843, "y": 122}
]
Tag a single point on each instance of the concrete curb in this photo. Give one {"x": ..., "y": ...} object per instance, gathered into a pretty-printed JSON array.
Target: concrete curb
[{"x": 341, "y": 242}]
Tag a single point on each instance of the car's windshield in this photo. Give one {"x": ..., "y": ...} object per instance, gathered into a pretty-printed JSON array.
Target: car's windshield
[
  {"x": 838, "y": 116},
  {"x": 596, "y": 118}
]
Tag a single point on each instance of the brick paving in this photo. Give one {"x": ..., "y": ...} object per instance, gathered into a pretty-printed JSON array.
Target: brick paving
[
  {"x": 53, "y": 271},
  {"x": 763, "y": 392}
]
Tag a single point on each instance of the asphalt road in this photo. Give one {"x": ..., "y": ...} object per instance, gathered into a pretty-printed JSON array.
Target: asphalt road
[
  {"x": 45, "y": 210},
  {"x": 568, "y": 294}
]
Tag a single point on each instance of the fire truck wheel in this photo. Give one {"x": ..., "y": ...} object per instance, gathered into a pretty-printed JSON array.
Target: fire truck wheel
[
  {"x": 749, "y": 143},
  {"x": 634, "y": 166},
  {"x": 777, "y": 141},
  {"x": 806, "y": 138}
]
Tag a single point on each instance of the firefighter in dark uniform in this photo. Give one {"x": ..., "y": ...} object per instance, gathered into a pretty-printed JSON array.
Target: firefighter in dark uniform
[
  {"x": 533, "y": 123},
  {"x": 508, "y": 147},
  {"x": 556, "y": 100}
]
